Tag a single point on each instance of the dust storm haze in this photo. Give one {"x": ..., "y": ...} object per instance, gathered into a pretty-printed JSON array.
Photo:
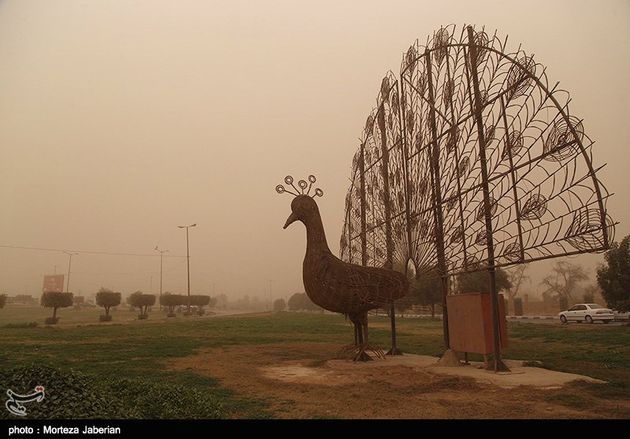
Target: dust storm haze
[{"x": 121, "y": 120}]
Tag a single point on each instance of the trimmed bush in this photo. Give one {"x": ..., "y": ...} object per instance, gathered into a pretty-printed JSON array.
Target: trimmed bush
[
  {"x": 279, "y": 305},
  {"x": 55, "y": 300},
  {"x": 300, "y": 301},
  {"x": 142, "y": 302},
  {"x": 200, "y": 301},
  {"x": 22, "y": 325},
  {"x": 107, "y": 299},
  {"x": 171, "y": 301}
]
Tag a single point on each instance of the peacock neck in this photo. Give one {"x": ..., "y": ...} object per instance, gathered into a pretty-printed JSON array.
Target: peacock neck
[{"x": 315, "y": 236}]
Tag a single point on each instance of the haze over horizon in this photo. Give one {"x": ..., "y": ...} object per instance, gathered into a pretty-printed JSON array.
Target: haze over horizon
[{"x": 121, "y": 120}]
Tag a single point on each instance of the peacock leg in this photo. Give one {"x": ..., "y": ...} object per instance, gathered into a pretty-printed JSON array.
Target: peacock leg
[
  {"x": 392, "y": 316},
  {"x": 373, "y": 349},
  {"x": 350, "y": 351},
  {"x": 363, "y": 346}
]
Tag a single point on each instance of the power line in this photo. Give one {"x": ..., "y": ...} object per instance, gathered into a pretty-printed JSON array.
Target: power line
[{"x": 86, "y": 252}]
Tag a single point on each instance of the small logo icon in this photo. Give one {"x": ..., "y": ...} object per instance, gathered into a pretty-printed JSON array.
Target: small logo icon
[{"x": 15, "y": 401}]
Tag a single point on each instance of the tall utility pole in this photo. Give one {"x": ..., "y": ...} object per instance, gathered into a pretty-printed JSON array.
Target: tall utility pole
[
  {"x": 161, "y": 256},
  {"x": 270, "y": 296},
  {"x": 70, "y": 254},
  {"x": 188, "y": 261}
]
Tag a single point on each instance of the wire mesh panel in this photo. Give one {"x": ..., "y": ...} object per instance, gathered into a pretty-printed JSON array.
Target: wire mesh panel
[
  {"x": 375, "y": 228},
  {"x": 419, "y": 187}
]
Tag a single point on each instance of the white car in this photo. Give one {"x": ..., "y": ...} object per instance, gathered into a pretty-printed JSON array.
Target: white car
[{"x": 587, "y": 312}]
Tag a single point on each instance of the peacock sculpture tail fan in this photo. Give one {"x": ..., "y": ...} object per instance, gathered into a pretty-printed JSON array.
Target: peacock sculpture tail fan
[{"x": 417, "y": 181}]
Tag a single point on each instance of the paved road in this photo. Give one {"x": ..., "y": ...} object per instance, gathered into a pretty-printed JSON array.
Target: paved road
[
  {"x": 537, "y": 320},
  {"x": 550, "y": 320}
]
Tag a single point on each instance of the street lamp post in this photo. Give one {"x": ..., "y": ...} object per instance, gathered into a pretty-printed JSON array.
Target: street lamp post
[
  {"x": 188, "y": 261},
  {"x": 70, "y": 254},
  {"x": 161, "y": 256}
]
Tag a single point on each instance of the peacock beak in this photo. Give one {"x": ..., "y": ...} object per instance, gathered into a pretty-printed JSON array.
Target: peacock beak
[{"x": 292, "y": 218}]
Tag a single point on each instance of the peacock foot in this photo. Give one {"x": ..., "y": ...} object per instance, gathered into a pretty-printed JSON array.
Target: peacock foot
[
  {"x": 361, "y": 355},
  {"x": 361, "y": 352},
  {"x": 394, "y": 351},
  {"x": 347, "y": 352}
]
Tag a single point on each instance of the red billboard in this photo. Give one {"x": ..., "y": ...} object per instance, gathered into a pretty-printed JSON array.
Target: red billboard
[{"x": 53, "y": 282}]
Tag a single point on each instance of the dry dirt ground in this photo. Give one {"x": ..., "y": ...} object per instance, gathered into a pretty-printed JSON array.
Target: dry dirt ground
[{"x": 302, "y": 380}]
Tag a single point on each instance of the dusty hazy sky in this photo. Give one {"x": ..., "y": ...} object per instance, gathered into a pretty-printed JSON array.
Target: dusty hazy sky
[{"x": 121, "y": 119}]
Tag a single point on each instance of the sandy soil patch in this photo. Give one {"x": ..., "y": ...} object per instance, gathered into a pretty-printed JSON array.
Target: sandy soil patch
[{"x": 300, "y": 381}]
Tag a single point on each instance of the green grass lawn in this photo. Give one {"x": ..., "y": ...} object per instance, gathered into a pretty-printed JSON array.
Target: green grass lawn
[{"x": 138, "y": 350}]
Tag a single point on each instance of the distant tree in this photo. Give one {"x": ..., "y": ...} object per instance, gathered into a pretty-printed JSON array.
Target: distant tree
[
  {"x": 592, "y": 293},
  {"x": 563, "y": 281},
  {"x": 107, "y": 299},
  {"x": 3, "y": 300},
  {"x": 408, "y": 300},
  {"x": 428, "y": 288},
  {"x": 405, "y": 303},
  {"x": 77, "y": 301},
  {"x": 213, "y": 302},
  {"x": 142, "y": 302},
  {"x": 588, "y": 297},
  {"x": 279, "y": 305},
  {"x": 243, "y": 303},
  {"x": 256, "y": 304},
  {"x": 200, "y": 301},
  {"x": 25, "y": 299},
  {"x": 221, "y": 301},
  {"x": 171, "y": 301},
  {"x": 300, "y": 301},
  {"x": 309, "y": 305},
  {"x": 479, "y": 281},
  {"x": 516, "y": 275},
  {"x": 54, "y": 300},
  {"x": 296, "y": 302},
  {"x": 614, "y": 276}
]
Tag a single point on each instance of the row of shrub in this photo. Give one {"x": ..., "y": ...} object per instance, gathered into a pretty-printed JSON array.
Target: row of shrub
[
  {"x": 297, "y": 302},
  {"x": 107, "y": 299},
  {"x": 171, "y": 301}
]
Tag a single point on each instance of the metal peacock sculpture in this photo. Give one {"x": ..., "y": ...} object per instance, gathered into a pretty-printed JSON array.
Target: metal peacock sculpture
[
  {"x": 472, "y": 161},
  {"x": 336, "y": 285}
]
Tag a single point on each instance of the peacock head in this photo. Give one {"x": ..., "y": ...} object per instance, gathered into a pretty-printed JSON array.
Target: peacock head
[{"x": 303, "y": 205}]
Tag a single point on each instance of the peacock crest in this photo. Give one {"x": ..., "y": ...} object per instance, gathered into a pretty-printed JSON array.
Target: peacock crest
[{"x": 303, "y": 187}]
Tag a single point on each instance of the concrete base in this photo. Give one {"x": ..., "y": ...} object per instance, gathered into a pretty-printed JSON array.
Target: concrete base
[
  {"x": 449, "y": 359},
  {"x": 344, "y": 372}
]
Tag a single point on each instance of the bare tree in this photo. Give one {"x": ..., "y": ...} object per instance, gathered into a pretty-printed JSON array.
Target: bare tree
[
  {"x": 517, "y": 277},
  {"x": 563, "y": 280},
  {"x": 592, "y": 293}
]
